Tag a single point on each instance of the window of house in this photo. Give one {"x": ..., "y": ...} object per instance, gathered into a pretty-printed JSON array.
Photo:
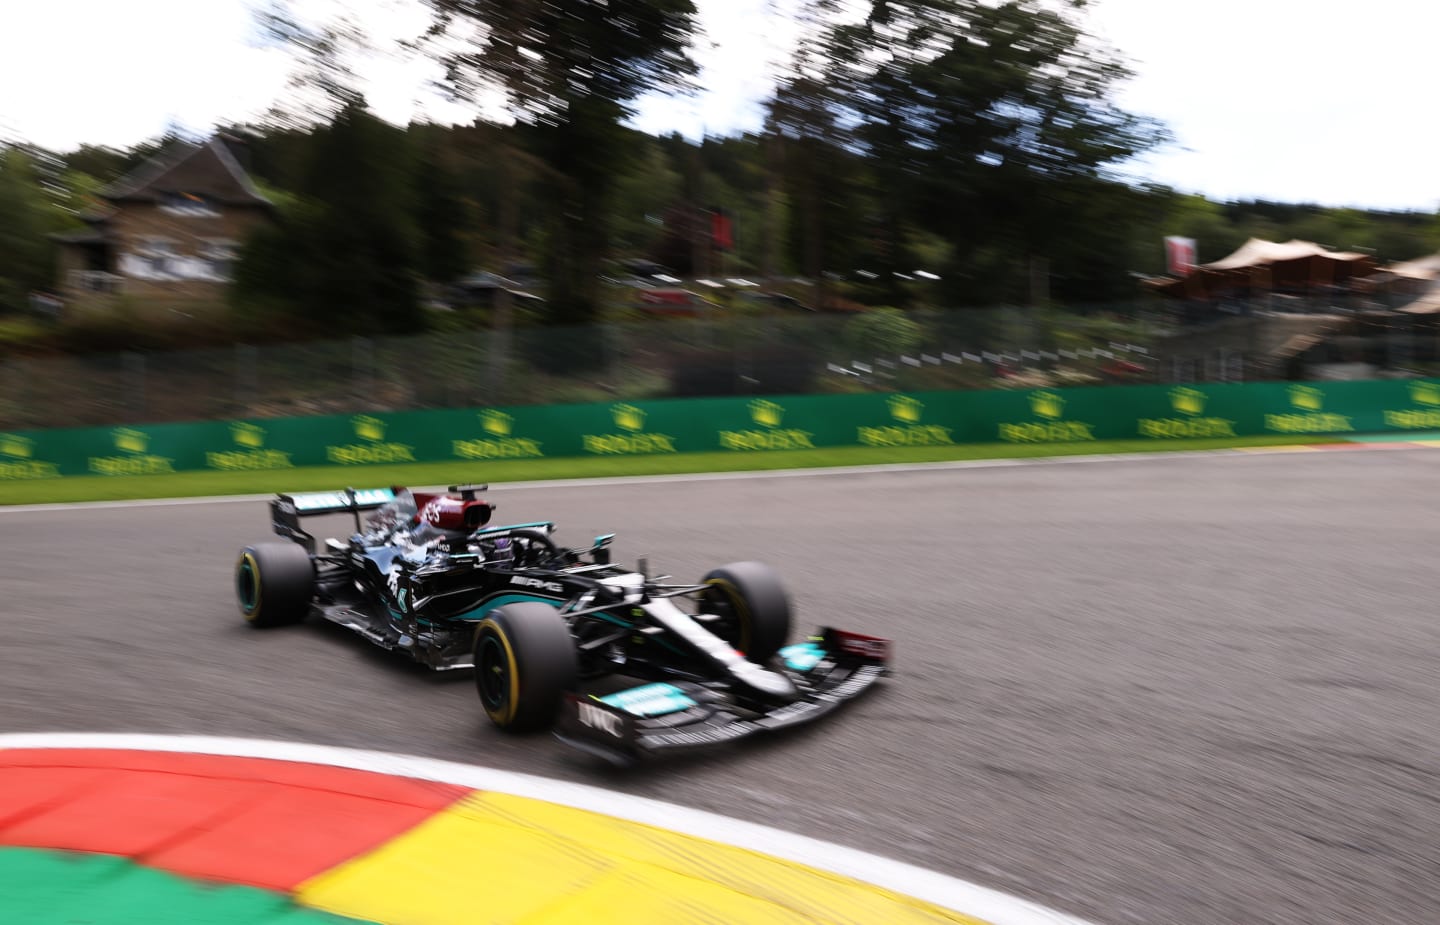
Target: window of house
[
  {"x": 219, "y": 255},
  {"x": 179, "y": 202},
  {"x": 159, "y": 256}
]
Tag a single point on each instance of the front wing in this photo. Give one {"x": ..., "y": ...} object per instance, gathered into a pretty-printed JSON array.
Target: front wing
[{"x": 829, "y": 670}]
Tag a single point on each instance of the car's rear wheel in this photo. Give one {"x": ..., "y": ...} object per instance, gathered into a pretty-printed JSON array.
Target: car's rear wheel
[
  {"x": 274, "y": 583},
  {"x": 524, "y": 663},
  {"x": 751, "y": 609}
]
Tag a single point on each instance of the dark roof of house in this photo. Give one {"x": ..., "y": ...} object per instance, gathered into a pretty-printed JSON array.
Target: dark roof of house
[{"x": 207, "y": 170}]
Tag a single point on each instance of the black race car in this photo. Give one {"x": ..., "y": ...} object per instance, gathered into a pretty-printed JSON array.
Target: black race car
[{"x": 619, "y": 663}]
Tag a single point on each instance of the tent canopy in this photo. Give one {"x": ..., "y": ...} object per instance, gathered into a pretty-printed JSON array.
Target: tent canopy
[
  {"x": 1260, "y": 253},
  {"x": 1267, "y": 266}
]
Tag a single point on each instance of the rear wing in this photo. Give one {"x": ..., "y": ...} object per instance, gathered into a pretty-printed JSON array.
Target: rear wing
[{"x": 286, "y": 510}]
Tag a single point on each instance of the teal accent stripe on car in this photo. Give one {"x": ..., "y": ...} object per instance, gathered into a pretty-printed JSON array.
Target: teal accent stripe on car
[
  {"x": 802, "y": 656},
  {"x": 500, "y": 600},
  {"x": 537, "y": 525},
  {"x": 649, "y": 700}
]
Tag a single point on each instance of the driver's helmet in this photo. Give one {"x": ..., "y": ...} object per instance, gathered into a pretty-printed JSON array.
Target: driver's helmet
[{"x": 500, "y": 551}]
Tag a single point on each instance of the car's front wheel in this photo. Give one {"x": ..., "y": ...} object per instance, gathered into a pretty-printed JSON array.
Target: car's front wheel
[
  {"x": 525, "y": 661},
  {"x": 274, "y": 583},
  {"x": 751, "y": 609}
]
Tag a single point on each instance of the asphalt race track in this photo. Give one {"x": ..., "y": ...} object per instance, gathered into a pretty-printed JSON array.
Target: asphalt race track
[{"x": 1185, "y": 690}]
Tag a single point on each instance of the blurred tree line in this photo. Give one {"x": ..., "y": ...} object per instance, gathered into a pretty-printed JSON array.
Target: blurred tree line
[{"x": 975, "y": 141}]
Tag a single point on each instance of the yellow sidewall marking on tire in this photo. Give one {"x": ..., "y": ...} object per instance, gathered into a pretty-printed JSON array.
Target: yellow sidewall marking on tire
[
  {"x": 250, "y": 614},
  {"x": 742, "y": 611},
  {"x": 513, "y": 701},
  {"x": 494, "y": 857}
]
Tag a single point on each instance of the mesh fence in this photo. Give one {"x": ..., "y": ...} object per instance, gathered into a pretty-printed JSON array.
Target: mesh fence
[{"x": 737, "y": 354}]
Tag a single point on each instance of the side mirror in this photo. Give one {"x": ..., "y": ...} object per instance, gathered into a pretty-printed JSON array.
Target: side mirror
[{"x": 600, "y": 549}]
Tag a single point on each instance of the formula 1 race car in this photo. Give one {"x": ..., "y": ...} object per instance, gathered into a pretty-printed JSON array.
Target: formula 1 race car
[{"x": 618, "y": 663}]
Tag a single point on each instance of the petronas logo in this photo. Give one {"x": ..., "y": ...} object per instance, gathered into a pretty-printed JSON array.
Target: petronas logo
[
  {"x": 1187, "y": 401},
  {"x": 1306, "y": 398},
  {"x": 1425, "y": 393},
  {"x": 16, "y": 447},
  {"x": 628, "y": 417},
  {"x": 368, "y": 428},
  {"x": 496, "y": 422},
  {"x": 766, "y": 413},
  {"x": 905, "y": 409},
  {"x": 248, "y": 435},
  {"x": 1047, "y": 405},
  {"x": 131, "y": 441}
]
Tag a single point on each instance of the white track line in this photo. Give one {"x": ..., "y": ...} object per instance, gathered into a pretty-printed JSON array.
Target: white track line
[{"x": 949, "y": 892}]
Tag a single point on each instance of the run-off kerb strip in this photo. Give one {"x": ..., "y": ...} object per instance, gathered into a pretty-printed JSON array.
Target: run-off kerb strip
[{"x": 445, "y": 842}]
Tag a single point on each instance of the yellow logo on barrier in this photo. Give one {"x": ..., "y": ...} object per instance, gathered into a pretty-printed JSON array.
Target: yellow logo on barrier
[
  {"x": 496, "y": 422},
  {"x": 908, "y": 431},
  {"x": 1308, "y": 401},
  {"x": 1306, "y": 398},
  {"x": 1427, "y": 417},
  {"x": 18, "y": 447},
  {"x": 1425, "y": 393},
  {"x": 501, "y": 444},
  {"x": 1187, "y": 401},
  {"x": 252, "y": 455},
  {"x": 1050, "y": 408},
  {"x": 374, "y": 450},
  {"x": 131, "y": 441},
  {"x": 1191, "y": 404},
  {"x": 19, "y": 465},
  {"x": 137, "y": 461},
  {"x": 247, "y": 435},
  {"x": 628, "y": 417},
  {"x": 631, "y": 443},
  {"x": 1047, "y": 405},
  {"x": 368, "y": 428},
  {"x": 905, "y": 409},
  {"x": 767, "y": 413}
]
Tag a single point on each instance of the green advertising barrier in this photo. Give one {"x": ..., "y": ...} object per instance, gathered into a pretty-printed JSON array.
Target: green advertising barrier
[{"x": 738, "y": 425}]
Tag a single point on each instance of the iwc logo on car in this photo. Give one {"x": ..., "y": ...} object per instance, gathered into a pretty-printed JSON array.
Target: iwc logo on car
[
  {"x": 250, "y": 453},
  {"x": 635, "y": 441},
  {"x": 17, "y": 460},
  {"x": 1049, "y": 408},
  {"x": 499, "y": 442},
  {"x": 769, "y": 435},
  {"x": 907, "y": 430},
  {"x": 1189, "y": 404},
  {"x": 374, "y": 449},
  {"x": 1308, "y": 416},
  {"x": 1426, "y": 414},
  {"x": 134, "y": 458}
]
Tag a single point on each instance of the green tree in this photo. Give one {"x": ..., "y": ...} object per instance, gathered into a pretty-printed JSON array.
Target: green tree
[
  {"x": 441, "y": 217},
  {"x": 571, "y": 70},
  {"x": 344, "y": 256},
  {"x": 974, "y": 116},
  {"x": 27, "y": 255},
  {"x": 642, "y": 197},
  {"x": 883, "y": 332}
]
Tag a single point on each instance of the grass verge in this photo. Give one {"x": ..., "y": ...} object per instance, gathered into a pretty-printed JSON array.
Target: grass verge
[{"x": 205, "y": 484}]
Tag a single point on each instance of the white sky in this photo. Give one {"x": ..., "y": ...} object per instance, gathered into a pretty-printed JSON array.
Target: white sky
[{"x": 1291, "y": 100}]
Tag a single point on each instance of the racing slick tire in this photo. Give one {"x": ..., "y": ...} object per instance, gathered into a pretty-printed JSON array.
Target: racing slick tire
[
  {"x": 753, "y": 608},
  {"x": 525, "y": 661},
  {"x": 274, "y": 583}
]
